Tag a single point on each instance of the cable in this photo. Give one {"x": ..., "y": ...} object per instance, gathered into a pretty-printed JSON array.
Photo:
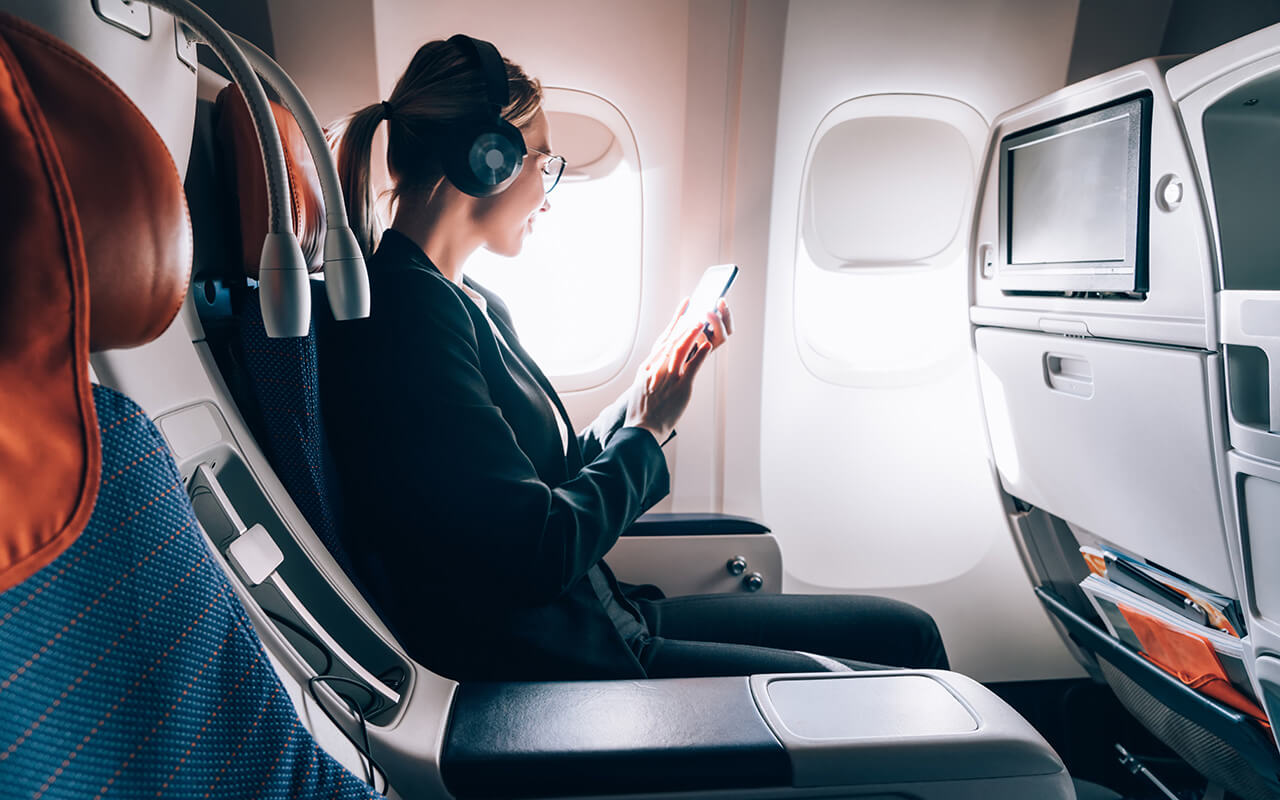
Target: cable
[
  {"x": 308, "y": 636},
  {"x": 372, "y": 768},
  {"x": 367, "y": 762}
]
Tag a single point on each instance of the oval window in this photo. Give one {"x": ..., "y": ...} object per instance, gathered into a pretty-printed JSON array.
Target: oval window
[{"x": 888, "y": 190}]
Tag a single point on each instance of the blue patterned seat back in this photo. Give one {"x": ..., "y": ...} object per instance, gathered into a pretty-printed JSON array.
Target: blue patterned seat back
[
  {"x": 128, "y": 667},
  {"x": 285, "y": 381}
]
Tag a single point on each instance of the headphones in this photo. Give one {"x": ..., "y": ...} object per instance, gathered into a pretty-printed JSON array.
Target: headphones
[{"x": 483, "y": 154}]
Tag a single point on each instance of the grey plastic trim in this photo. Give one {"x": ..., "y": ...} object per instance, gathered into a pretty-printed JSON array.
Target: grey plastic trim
[
  {"x": 218, "y": 40},
  {"x": 282, "y": 280},
  {"x": 979, "y": 737},
  {"x": 207, "y": 494},
  {"x": 346, "y": 281},
  {"x": 697, "y": 564},
  {"x": 135, "y": 19},
  {"x": 1223, "y": 60}
]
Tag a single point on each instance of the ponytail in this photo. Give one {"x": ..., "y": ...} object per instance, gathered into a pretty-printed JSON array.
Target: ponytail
[{"x": 354, "y": 138}]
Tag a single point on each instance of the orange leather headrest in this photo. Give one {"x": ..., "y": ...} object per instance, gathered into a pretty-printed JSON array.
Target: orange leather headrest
[
  {"x": 95, "y": 252},
  {"x": 242, "y": 155}
]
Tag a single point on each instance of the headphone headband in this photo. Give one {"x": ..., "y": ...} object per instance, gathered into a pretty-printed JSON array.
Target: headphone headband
[{"x": 494, "y": 71}]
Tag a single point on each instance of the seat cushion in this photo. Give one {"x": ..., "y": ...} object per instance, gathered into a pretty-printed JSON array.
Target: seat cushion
[{"x": 128, "y": 665}]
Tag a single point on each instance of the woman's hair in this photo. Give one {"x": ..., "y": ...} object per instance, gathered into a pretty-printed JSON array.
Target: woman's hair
[{"x": 442, "y": 83}]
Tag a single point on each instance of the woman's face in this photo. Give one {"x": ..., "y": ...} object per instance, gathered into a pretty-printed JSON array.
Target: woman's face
[{"x": 505, "y": 219}]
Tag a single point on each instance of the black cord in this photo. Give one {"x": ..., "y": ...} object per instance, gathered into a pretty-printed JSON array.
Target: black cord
[
  {"x": 371, "y": 767},
  {"x": 306, "y": 635},
  {"x": 367, "y": 762}
]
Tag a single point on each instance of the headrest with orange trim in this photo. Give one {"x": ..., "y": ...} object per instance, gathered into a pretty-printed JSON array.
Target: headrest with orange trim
[
  {"x": 95, "y": 253},
  {"x": 242, "y": 156}
]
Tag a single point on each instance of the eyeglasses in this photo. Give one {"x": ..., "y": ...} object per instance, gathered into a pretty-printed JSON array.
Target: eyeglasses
[{"x": 551, "y": 170}]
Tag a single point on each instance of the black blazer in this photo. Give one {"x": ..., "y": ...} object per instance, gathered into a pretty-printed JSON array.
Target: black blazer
[{"x": 480, "y": 538}]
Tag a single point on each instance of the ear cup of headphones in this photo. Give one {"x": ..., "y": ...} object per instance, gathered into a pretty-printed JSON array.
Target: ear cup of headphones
[{"x": 484, "y": 157}]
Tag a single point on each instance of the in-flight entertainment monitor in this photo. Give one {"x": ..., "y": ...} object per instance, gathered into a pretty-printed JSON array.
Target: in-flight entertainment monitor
[{"x": 1073, "y": 202}]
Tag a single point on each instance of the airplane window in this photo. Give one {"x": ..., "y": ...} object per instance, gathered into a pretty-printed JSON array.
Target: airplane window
[
  {"x": 575, "y": 290},
  {"x": 879, "y": 279},
  {"x": 886, "y": 191}
]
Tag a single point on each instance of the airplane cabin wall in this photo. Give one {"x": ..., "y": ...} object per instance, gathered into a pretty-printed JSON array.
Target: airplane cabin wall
[
  {"x": 328, "y": 50},
  {"x": 880, "y": 488}
]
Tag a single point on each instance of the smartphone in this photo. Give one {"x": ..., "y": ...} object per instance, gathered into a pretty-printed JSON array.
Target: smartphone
[{"x": 713, "y": 285}]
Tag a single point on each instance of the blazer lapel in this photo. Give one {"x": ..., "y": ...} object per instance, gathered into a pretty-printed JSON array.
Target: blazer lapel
[{"x": 502, "y": 318}]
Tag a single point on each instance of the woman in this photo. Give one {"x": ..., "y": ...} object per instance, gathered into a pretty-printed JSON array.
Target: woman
[{"x": 473, "y": 515}]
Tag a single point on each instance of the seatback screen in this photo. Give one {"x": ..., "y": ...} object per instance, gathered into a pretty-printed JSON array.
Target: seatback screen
[
  {"x": 1073, "y": 202},
  {"x": 1070, "y": 196}
]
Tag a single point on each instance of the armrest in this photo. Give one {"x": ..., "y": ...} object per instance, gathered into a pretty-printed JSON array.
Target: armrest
[
  {"x": 694, "y": 525},
  {"x": 925, "y": 734},
  {"x": 609, "y": 737}
]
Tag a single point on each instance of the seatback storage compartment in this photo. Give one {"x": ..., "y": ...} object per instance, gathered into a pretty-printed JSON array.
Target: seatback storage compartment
[{"x": 1115, "y": 438}]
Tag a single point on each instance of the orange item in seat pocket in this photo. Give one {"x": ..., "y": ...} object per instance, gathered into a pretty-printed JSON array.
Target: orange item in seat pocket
[{"x": 1190, "y": 658}]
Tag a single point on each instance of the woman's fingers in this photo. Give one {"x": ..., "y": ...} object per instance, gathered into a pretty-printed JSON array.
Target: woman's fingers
[
  {"x": 674, "y": 319},
  {"x": 716, "y": 332},
  {"x": 671, "y": 326},
  {"x": 680, "y": 353},
  {"x": 676, "y": 351},
  {"x": 725, "y": 316},
  {"x": 695, "y": 360},
  {"x": 660, "y": 344}
]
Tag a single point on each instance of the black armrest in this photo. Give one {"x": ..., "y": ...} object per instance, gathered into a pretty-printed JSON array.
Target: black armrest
[
  {"x": 518, "y": 740},
  {"x": 693, "y": 525}
]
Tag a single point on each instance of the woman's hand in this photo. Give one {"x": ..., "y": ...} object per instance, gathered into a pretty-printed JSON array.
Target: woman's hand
[
  {"x": 720, "y": 323},
  {"x": 664, "y": 383},
  {"x": 721, "y": 332}
]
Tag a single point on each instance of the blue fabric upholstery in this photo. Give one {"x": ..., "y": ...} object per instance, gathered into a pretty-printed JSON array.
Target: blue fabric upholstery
[
  {"x": 128, "y": 668},
  {"x": 285, "y": 381}
]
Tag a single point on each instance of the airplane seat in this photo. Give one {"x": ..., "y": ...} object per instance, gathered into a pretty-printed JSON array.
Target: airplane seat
[
  {"x": 1106, "y": 409},
  {"x": 218, "y": 285},
  {"x": 276, "y": 380},
  {"x": 129, "y": 664}
]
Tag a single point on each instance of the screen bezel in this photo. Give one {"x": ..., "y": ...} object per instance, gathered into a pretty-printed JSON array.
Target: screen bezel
[{"x": 1127, "y": 276}]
